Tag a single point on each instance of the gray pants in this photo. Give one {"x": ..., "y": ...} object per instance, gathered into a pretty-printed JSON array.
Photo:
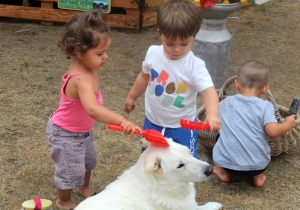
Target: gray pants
[{"x": 73, "y": 154}]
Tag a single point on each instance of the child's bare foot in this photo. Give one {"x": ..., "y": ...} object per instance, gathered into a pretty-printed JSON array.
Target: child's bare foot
[
  {"x": 259, "y": 180},
  {"x": 69, "y": 204},
  {"x": 86, "y": 192},
  {"x": 223, "y": 175}
]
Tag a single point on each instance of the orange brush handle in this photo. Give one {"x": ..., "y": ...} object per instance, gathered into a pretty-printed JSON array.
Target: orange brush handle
[
  {"x": 120, "y": 128},
  {"x": 152, "y": 136}
]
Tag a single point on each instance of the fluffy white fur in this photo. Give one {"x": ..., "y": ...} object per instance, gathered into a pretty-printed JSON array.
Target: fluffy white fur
[{"x": 162, "y": 179}]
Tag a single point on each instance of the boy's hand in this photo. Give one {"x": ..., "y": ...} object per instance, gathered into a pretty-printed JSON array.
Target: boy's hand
[
  {"x": 211, "y": 102},
  {"x": 129, "y": 105},
  {"x": 214, "y": 123},
  {"x": 129, "y": 127},
  {"x": 290, "y": 121}
]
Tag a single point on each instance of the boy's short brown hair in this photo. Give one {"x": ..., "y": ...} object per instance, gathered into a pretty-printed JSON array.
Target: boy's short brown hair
[
  {"x": 181, "y": 18},
  {"x": 253, "y": 74}
]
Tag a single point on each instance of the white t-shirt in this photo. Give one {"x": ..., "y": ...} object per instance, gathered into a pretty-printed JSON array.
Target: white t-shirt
[{"x": 173, "y": 86}]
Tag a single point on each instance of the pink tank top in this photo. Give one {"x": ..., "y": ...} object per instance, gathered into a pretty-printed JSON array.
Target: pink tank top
[{"x": 70, "y": 115}]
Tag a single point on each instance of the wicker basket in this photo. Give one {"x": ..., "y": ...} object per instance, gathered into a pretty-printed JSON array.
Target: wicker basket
[{"x": 277, "y": 145}]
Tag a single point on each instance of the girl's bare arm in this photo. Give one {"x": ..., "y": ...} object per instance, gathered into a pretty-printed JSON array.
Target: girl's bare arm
[{"x": 98, "y": 112}]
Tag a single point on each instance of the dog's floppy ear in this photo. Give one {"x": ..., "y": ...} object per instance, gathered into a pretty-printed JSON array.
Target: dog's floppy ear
[
  {"x": 153, "y": 165},
  {"x": 144, "y": 143}
]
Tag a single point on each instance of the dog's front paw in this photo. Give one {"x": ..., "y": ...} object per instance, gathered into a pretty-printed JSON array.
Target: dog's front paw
[{"x": 210, "y": 206}]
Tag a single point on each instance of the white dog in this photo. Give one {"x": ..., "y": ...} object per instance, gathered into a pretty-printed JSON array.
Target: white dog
[{"x": 161, "y": 179}]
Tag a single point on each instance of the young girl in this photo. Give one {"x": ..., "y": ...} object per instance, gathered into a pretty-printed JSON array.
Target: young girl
[{"x": 86, "y": 40}]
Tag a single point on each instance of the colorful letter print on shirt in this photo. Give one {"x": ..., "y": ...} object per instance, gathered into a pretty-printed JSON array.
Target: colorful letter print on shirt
[{"x": 163, "y": 85}]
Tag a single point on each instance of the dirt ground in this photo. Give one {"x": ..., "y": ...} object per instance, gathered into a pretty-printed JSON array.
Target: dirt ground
[{"x": 31, "y": 70}]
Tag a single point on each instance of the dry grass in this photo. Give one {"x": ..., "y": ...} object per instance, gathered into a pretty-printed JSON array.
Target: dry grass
[{"x": 31, "y": 70}]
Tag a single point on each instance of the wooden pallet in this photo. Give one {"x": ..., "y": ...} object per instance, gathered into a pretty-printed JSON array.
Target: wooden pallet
[{"x": 139, "y": 14}]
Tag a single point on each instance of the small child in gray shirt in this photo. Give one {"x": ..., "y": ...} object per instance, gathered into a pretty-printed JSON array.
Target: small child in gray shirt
[{"x": 247, "y": 121}]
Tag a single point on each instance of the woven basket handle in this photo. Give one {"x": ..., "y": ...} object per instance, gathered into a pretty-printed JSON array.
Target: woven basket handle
[
  {"x": 277, "y": 109},
  {"x": 228, "y": 82},
  {"x": 270, "y": 98}
]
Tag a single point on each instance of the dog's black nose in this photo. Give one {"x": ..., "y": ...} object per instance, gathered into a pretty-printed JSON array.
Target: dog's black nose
[{"x": 209, "y": 170}]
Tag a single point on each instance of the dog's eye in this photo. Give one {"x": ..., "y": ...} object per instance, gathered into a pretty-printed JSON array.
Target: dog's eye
[{"x": 180, "y": 165}]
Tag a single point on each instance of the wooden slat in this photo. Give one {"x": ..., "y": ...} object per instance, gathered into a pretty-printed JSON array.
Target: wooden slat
[
  {"x": 47, "y": 5},
  {"x": 131, "y": 4},
  {"x": 132, "y": 12},
  {"x": 136, "y": 13},
  {"x": 149, "y": 19},
  {"x": 131, "y": 21},
  {"x": 115, "y": 3},
  {"x": 35, "y": 13},
  {"x": 59, "y": 15},
  {"x": 152, "y": 3},
  {"x": 123, "y": 21}
]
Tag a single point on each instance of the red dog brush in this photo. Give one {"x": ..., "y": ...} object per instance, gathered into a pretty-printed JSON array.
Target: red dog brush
[
  {"x": 192, "y": 125},
  {"x": 152, "y": 136}
]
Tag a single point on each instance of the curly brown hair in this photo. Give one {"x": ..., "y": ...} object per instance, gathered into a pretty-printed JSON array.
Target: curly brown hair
[
  {"x": 83, "y": 32},
  {"x": 181, "y": 18}
]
